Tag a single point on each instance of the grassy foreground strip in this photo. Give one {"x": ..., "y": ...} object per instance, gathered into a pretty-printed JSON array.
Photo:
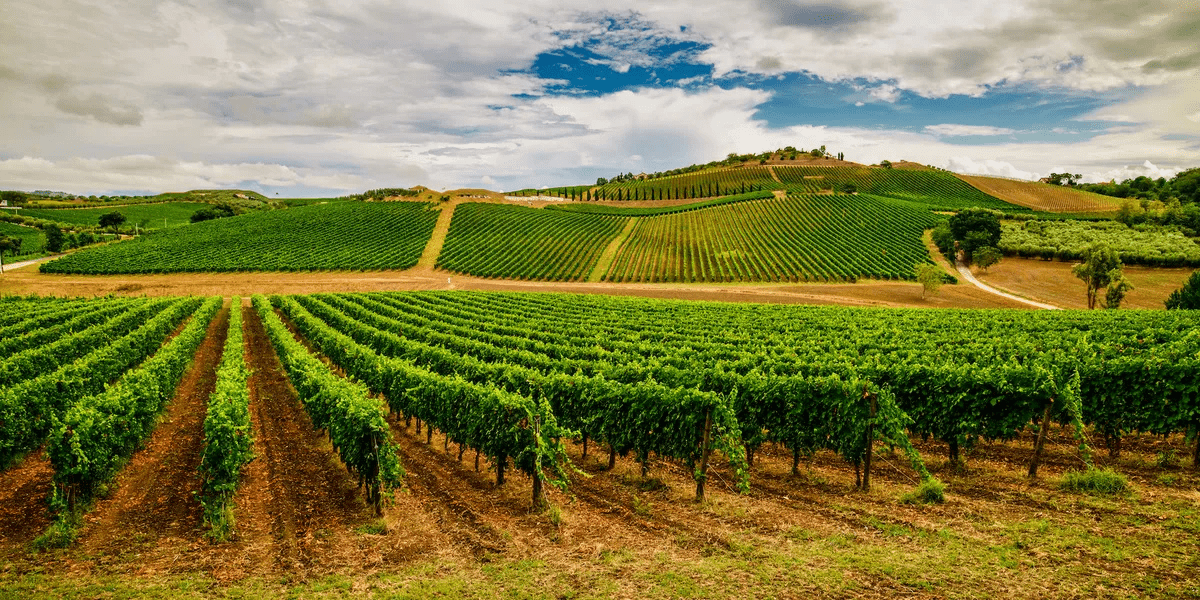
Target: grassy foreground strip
[
  {"x": 28, "y": 410},
  {"x": 355, "y": 421},
  {"x": 227, "y": 437}
]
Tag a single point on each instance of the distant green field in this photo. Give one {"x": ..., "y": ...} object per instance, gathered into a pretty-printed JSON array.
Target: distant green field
[
  {"x": 340, "y": 236},
  {"x": 32, "y": 240},
  {"x": 156, "y": 216}
]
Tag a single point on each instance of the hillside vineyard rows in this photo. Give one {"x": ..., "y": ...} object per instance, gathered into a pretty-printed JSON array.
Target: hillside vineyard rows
[
  {"x": 335, "y": 236},
  {"x": 774, "y": 239},
  {"x": 513, "y": 376},
  {"x": 516, "y": 242}
]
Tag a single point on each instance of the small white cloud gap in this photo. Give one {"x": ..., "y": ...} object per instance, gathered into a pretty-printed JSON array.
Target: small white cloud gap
[
  {"x": 952, "y": 130},
  {"x": 969, "y": 166}
]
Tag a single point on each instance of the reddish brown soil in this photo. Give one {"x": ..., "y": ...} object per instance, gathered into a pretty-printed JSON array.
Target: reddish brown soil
[
  {"x": 24, "y": 490},
  {"x": 295, "y": 500},
  {"x": 154, "y": 502}
]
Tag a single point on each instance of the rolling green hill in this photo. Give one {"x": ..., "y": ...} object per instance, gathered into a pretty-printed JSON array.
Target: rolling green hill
[{"x": 340, "y": 236}]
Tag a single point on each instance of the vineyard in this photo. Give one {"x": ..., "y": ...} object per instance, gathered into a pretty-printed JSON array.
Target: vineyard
[
  {"x": 801, "y": 238},
  {"x": 33, "y": 241},
  {"x": 1067, "y": 240},
  {"x": 1044, "y": 196},
  {"x": 496, "y": 240},
  {"x": 341, "y": 236},
  {"x": 511, "y": 376},
  {"x": 526, "y": 385}
]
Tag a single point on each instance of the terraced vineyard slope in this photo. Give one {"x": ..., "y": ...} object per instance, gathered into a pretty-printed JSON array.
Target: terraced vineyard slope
[
  {"x": 1044, "y": 196},
  {"x": 800, "y": 238},
  {"x": 338, "y": 236},
  {"x": 516, "y": 242}
]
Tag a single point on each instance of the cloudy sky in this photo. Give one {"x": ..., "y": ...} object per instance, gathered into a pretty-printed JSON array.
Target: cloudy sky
[{"x": 310, "y": 97}]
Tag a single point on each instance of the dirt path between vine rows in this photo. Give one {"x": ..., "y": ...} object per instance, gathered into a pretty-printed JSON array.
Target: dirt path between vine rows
[
  {"x": 153, "y": 504},
  {"x": 610, "y": 252},
  {"x": 433, "y": 248},
  {"x": 24, "y": 490},
  {"x": 297, "y": 504}
]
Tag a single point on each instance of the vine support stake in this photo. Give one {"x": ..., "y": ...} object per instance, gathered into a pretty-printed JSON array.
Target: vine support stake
[
  {"x": 375, "y": 491},
  {"x": 539, "y": 497},
  {"x": 704, "y": 450},
  {"x": 612, "y": 457},
  {"x": 500, "y": 462},
  {"x": 1043, "y": 431},
  {"x": 866, "y": 480},
  {"x": 585, "y": 445},
  {"x": 1196, "y": 453}
]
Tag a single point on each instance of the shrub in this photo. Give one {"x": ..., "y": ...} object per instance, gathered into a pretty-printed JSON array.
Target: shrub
[
  {"x": 1104, "y": 482},
  {"x": 931, "y": 491}
]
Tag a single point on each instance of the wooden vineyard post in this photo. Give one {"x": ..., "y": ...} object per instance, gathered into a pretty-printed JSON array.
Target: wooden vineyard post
[
  {"x": 1196, "y": 453},
  {"x": 866, "y": 479},
  {"x": 585, "y": 445},
  {"x": 418, "y": 425},
  {"x": 704, "y": 450},
  {"x": 500, "y": 462},
  {"x": 539, "y": 498},
  {"x": 1041, "y": 440},
  {"x": 375, "y": 492},
  {"x": 795, "y": 461},
  {"x": 428, "y": 434},
  {"x": 612, "y": 457}
]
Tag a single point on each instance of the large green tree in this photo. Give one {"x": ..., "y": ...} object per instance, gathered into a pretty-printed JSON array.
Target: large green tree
[
  {"x": 112, "y": 220},
  {"x": 1100, "y": 265},
  {"x": 1186, "y": 297},
  {"x": 975, "y": 228},
  {"x": 55, "y": 239}
]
